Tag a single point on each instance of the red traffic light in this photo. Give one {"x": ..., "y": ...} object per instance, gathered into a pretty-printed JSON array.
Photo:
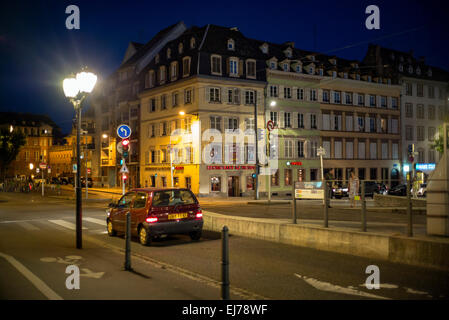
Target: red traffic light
[{"x": 125, "y": 142}]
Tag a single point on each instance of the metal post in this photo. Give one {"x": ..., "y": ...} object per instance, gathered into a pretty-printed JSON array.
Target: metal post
[
  {"x": 326, "y": 209},
  {"x": 79, "y": 221},
  {"x": 256, "y": 180},
  {"x": 362, "y": 197},
  {"x": 409, "y": 210},
  {"x": 43, "y": 182},
  {"x": 322, "y": 168},
  {"x": 123, "y": 183},
  {"x": 128, "y": 242},
  {"x": 293, "y": 205},
  {"x": 225, "y": 265},
  {"x": 85, "y": 155}
]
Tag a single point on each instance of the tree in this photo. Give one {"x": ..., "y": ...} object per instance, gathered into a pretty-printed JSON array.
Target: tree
[
  {"x": 10, "y": 144},
  {"x": 438, "y": 145}
]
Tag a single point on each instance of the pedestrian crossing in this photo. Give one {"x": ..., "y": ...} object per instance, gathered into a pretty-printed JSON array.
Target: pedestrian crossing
[{"x": 96, "y": 225}]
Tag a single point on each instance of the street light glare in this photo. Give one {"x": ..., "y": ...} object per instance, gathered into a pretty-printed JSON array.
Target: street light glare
[
  {"x": 272, "y": 103},
  {"x": 86, "y": 81},
  {"x": 70, "y": 86},
  {"x": 104, "y": 135},
  {"x": 181, "y": 113}
]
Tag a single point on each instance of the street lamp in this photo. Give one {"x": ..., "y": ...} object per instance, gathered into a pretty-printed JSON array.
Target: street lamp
[{"x": 76, "y": 89}]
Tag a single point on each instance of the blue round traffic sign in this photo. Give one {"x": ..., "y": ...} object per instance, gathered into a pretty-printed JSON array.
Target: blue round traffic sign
[{"x": 123, "y": 131}]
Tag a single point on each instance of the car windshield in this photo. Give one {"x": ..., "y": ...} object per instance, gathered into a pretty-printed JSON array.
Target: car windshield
[{"x": 172, "y": 198}]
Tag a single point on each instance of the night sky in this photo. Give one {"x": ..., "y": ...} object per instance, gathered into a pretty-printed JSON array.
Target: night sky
[{"x": 37, "y": 51}]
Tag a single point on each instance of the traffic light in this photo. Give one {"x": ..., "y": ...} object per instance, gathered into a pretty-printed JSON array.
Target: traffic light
[
  {"x": 411, "y": 153},
  {"x": 124, "y": 177},
  {"x": 125, "y": 144}
]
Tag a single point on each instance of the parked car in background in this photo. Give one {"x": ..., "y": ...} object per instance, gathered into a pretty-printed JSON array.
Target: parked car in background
[
  {"x": 422, "y": 191},
  {"x": 89, "y": 182},
  {"x": 156, "y": 212},
  {"x": 340, "y": 191},
  {"x": 372, "y": 187},
  {"x": 399, "y": 190}
]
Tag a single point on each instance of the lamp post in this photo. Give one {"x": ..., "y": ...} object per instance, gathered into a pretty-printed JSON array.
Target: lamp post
[
  {"x": 321, "y": 152},
  {"x": 76, "y": 89}
]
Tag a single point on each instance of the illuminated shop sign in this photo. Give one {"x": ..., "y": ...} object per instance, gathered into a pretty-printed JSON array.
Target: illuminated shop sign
[
  {"x": 425, "y": 166},
  {"x": 231, "y": 167}
]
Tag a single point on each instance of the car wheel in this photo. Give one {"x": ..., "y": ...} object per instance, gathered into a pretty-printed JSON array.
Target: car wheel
[
  {"x": 195, "y": 235},
  {"x": 111, "y": 231},
  {"x": 144, "y": 236}
]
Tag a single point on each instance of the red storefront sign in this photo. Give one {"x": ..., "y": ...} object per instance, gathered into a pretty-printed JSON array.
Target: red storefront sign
[
  {"x": 231, "y": 167},
  {"x": 298, "y": 163}
]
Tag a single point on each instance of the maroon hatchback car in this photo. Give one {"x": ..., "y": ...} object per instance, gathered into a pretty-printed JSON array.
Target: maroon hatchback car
[{"x": 156, "y": 212}]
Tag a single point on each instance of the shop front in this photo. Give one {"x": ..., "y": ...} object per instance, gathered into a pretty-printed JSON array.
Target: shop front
[{"x": 226, "y": 180}]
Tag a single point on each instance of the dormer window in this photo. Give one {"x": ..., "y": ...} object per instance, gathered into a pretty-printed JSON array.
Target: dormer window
[
  {"x": 288, "y": 52},
  {"x": 298, "y": 68},
  {"x": 168, "y": 53},
  {"x": 273, "y": 65},
  {"x": 369, "y": 78},
  {"x": 156, "y": 59},
  {"x": 410, "y": 69},
  {"x": 321, "y": 71},
  {"x": 345, "y": 75},
  {"x": 312, "y": 58},
  {"x": 356, "y": 65},
  {"x": 334, "y": 74},
  {"x": 418, "y": 71},
  {"x": 334, "y": 62},
  {"x": 311, "y": 70},
  {"x": 429, "y": 72},
  {"x": 180, "y": 48},
  {"x": 231, "y": 44},
  {"x": 285, "y": 67},
  {"x": 401, "y": 67},
  {"x": 192, "y": 43}
]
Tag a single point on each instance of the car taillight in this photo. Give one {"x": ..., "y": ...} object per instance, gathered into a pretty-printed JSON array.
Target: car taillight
[
  {"x": 151, "y": 219},
  {"x": 199, "y": 214}
]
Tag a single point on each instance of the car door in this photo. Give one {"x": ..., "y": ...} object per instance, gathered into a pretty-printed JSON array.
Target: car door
[
  {"x": 123, "y": 207},
  {"x": 139, "y": 210}
]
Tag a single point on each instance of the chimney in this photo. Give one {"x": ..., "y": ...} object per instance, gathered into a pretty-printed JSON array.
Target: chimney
[
  {"x": 234, "y": 29},
  {"x": 290, "y": 44}
]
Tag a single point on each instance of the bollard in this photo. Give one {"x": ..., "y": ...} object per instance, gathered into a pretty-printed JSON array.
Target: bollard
[
  {"x": 409, "y": 211},
  {"x": 362, "y": 197},
  {"x": 293, "y": 205},
  {"x": 326, "y": 203},
  {"x": 128, "y": 242},
  {"x": 225, "y": 264}
]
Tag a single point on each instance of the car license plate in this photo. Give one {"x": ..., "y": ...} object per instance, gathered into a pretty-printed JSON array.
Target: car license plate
[{"x": 177, "y": 216}]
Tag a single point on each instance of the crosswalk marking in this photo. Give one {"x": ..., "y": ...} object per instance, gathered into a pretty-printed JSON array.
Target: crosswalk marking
[
  {"x": 97, "y": 221},
  {"x": 65, "y": 224},
  {"x": 28, "y": 226}
]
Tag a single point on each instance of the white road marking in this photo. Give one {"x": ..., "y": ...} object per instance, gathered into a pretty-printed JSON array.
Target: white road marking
[
  {"x": 90, "y": 274},
  {"x": 38, "y": 283},
  {"x": 383, "y": 285},
  {"x": 65, "y": 224},
  {"x": 97, "y": 221},
  {"x": 28, "y": 226},
  {"x": 326, "y": 286},
  {"x": 413, "y": 291}
]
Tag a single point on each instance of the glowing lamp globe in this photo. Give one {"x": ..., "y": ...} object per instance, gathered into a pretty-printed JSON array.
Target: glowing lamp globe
[
  {"x": 86, "y": 81},
  {"x": 70, "y": 86}
]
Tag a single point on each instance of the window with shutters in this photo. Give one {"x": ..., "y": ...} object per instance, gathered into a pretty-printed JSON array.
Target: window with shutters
[
  {"x": 337, "y": 149},
  {"x": 251, "y": 69},
  {"x": 348, "y": 99},
  {"x": 337, "y": 97},
  {"x": 420, "y": 111},
  {"x": 300, "y": 120},
  {"x": 249, "y": 124},
  {"x": 395, "y": 151},
  {"x": 186, "y": 66},
  {"x": 300, "y": 94},
  {"x": 216, "y": 64},
  {"x": 163, "y": 102},
  {"x": 409, "y": 110},
  {"x": 373, "y": 150},
  {"x": 431, "y": 156},
  {"x": 326, "y": 96},
  {"x": 288, "y": 148},
  {"x": 420, "y": 133},
  {"x": 394, "y": 125},
  {"x": 372, "y": 124},
  {"x": 394, "y": 102},
  {"x": 215, "y": 122},
  {"x": 313, "y": 121},
  {"x": 287, "y": 120},
  {"x": 233, "y": 67},
  {"x": 174, "y": 70},
  {"x": 285, "y": 67},
  {"x": 431, "y": 112},
  {"x": 274, "y": 117},
  {"x": 383, "y": 102},
  {"x": 349, "y": 150},
  {"x": 153, "y": 105},
  {"x": 175, "y": 99},
  {"x": 233, "y": 123},
  {"x": 361, "y": 99},
  {"x": 188, "y": 96},
  {"x": 300, "y": 149},
  {"x": 421, "y": 156},
  {"x": 372, "y": 100},
  {"x": 162, "y": 74},
  {"x": 273, "y": 91},
  {"x": 384, "y": 149},
  {"x": 249, "y": 97},
  {"x": 313, "y": 95},
  {"x": 409, "y": 132},
  {"x": 233, "y": 96},
  {"x": 420, "y": 90},
  {"x": 287, "y": 92},
  {"x": 408, "y": 89},
  {"x": 151, "y": 79},
  {"x": 431, "y": 133},
  {"x": 214, "y": 95}
]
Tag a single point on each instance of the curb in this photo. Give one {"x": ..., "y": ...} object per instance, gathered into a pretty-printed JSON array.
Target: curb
[{"x": 427, "y": 253}]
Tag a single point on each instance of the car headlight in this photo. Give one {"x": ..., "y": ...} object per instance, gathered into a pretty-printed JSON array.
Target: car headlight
[{"x": 345, "y": 189}]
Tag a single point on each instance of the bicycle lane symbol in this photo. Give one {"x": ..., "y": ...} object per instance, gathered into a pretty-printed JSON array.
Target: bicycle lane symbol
[{"x": 74, "y": 260}]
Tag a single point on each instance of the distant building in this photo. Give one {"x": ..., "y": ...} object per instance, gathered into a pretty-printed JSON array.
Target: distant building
[
  {"x": 424, "y": 99},
  {"x": 40, "y": 131}
]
